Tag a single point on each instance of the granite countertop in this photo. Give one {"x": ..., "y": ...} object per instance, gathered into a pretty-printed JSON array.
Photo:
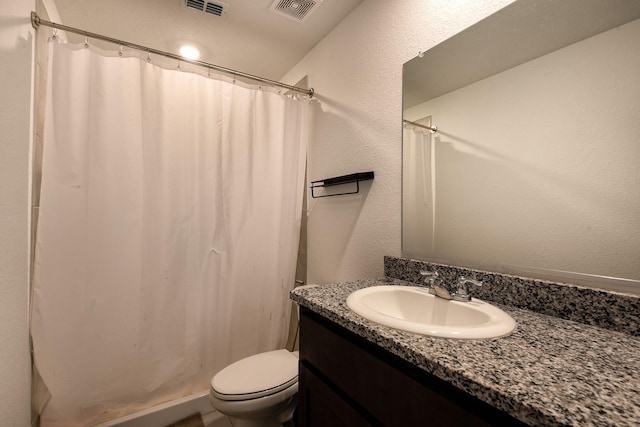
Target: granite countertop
[{"x": 549, "y": 371}]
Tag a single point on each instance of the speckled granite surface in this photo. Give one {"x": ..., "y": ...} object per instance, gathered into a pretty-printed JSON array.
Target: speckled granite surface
[
  {"x": 549, "y": 371},
  {"x": 609, "y": 310}
]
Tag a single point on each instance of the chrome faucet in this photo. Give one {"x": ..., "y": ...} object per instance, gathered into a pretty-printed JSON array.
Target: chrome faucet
[
  {"x": 440, "y": 289},
  {"x": 437, "y": 286}
]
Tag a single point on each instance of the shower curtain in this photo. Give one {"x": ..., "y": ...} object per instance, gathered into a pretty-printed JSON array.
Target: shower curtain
[
  {"x": 418, "y": 180},
  {"x": 168, "y": 230}
]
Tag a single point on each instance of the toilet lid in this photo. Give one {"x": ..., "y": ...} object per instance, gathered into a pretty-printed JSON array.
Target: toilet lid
[{"x": 255, "y": 376}]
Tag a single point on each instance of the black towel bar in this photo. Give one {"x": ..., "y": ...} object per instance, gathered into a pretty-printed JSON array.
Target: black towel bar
[{"x": 340, "y": 180}]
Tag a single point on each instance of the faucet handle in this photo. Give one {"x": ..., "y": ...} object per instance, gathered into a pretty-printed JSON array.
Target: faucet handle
[
  {"x": 429, "y": 276},
  {"x": 462, "y": 293}
]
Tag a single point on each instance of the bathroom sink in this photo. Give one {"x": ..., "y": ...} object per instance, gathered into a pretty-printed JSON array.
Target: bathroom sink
[{"x": 414, "y": 309}]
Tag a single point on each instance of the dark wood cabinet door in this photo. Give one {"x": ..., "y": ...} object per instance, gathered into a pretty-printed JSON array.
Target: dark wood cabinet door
[{"x": 321, "y": 406}]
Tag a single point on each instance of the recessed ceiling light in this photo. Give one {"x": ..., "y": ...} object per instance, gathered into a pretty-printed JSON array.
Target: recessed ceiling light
[{"x": 189, "y": 52}]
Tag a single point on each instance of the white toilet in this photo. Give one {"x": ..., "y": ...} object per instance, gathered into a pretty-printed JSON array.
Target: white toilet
[{"x": 259, "y": 390}]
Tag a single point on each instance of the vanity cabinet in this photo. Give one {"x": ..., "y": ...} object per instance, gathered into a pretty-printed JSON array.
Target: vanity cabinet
[{"x": 347, "y": 381}]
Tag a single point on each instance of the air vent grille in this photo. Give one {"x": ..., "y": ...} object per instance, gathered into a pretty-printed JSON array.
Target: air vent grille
[
  {"x": 298, "y": 10},
  {"x": 195, "y": 4},
  {"x": 214, "y": 8}
]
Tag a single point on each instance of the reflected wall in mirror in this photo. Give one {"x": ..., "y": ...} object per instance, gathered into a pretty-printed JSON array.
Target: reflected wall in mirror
[{"x": 535, "y": 167}]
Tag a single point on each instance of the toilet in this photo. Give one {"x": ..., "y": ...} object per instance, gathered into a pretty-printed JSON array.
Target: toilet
[{"x": 259, "y": 390}]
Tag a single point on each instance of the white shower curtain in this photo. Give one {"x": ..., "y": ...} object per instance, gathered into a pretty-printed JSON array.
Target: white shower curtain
[
  {"x": 168, "y": 231},
  {"x": 418, "y": 180}
]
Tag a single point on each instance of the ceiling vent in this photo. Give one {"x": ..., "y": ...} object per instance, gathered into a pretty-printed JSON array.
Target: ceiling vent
[
  {"x": 298, "y": 10},
  {"x": 214, "y": 8}
]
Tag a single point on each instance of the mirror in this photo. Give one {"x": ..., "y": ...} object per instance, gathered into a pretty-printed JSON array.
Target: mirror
[{"x": 534, "y": 169}]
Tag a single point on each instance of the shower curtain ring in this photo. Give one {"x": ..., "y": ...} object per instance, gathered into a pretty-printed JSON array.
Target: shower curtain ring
[
  {"x": 179, "y": 68},
  {"x": 209, "y": 72},
  {"x": 148, "y": 56},
  {"x": 55, "y": 34},
  {"x": 120, "y": 52},
  {"x": 86, "y": 42}
]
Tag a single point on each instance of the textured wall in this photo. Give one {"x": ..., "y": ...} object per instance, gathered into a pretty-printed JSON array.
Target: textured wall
[
  {"x": 357, "y": 73},
  {"x": 16, "y": 78}
]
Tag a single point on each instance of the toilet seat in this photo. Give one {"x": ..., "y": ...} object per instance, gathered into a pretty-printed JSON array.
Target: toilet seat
[{"x": 256, "y": 376}]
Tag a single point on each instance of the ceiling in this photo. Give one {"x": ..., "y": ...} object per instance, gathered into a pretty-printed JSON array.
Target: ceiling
[{"x": 248, "y": 38}]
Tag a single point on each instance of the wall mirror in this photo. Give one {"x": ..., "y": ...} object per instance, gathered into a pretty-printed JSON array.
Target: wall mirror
[{"x": 535, "y": 167}]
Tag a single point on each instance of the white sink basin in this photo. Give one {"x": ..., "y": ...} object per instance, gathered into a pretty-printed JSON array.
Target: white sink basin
[{"x": 414, "y": 309}]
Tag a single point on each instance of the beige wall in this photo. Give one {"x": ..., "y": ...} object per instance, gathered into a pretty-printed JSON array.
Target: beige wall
[
  {"x": 357, "y": 73},
  {"x": 16, "y": 84}
]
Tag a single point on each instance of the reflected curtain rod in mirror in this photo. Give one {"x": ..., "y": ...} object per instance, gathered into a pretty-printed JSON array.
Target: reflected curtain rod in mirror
[
  {"x": 432, "y": 129},
  {"x": 537, "y": 172}
]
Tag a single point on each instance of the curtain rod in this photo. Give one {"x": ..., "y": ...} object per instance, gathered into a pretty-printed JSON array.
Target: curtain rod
[
  {"x": 433, "y": 129},
  {"x": 36, "y": 21}
]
